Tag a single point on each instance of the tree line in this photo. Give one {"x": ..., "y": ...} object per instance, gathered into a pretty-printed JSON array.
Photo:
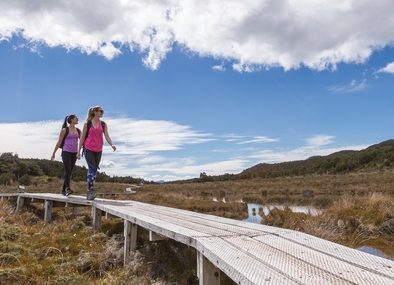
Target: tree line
[
  {"x": 376, "y": 157},
  {"x": 20, "y": 170}
]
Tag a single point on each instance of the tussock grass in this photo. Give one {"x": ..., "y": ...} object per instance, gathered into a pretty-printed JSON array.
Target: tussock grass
[
  {"x": 67, "y": 251},
  {"x": 351, "y": 220}
]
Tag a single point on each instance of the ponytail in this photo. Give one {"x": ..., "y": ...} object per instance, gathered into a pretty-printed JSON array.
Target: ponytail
[
  {"x": 65, "y": 122},
  {"x": 90, "y": 114}
]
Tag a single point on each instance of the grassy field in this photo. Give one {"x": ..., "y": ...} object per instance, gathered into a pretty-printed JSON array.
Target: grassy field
[
  {"x": 359, "y": 210},
  {"x": 67, "y": 251}
]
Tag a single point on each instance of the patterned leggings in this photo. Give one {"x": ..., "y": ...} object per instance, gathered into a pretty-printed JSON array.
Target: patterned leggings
[{"x": 93, "y": 160}]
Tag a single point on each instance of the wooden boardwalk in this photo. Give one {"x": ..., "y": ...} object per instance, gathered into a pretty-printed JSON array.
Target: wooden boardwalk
[{"x": 247, "y": 253}]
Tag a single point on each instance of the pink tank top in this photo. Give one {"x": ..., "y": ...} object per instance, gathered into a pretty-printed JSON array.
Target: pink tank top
[{"x": 94, "y": 140}]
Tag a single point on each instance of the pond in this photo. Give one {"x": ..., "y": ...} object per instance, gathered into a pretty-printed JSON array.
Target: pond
[{"x": 254, "y": 217}]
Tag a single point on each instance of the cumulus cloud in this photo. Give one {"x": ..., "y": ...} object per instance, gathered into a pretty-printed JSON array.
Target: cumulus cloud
[
  {"x": 251, "y": 34},
  {"x": 389, "y": 68},
  {"x": 353, "y": 86}
]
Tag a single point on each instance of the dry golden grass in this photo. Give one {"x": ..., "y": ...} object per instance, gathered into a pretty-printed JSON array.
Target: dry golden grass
[
  {"x": 67, "y": 251},
  {"x": 352, "y": 221}
]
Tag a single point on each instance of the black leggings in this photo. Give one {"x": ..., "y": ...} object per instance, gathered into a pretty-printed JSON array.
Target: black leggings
[{"x": 69, "y": 160}]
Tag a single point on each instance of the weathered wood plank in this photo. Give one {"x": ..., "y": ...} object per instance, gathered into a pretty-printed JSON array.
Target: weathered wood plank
[
  {"x": 48, "y": 206},
  {"x": 238, "y": 265},
  {"x": 201, "y": 223},
  {"x": 130, "y": 239},
  {"x": 164, "y": 228},
  {"x": 156, "y": 237},
  {"x": 20, "y": 203},
  {"x": 208, "y": 274},
  {"x": 97, "y": 214},
  {"x": 349, "y": 271}
]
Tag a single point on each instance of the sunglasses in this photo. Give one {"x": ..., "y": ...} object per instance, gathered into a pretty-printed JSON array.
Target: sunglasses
[{"x": 101, "y": 111}]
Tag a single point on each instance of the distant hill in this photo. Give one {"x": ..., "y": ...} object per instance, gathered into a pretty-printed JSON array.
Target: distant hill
[
  {"x": 378, "y": 156},
  {"x": 13, "y": 168}
]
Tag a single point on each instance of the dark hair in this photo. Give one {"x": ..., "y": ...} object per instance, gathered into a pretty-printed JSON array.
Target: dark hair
[{"x": 68, "y": 119}]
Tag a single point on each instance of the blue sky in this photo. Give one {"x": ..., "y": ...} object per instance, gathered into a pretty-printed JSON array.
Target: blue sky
[{"x": 194, "y": 109}]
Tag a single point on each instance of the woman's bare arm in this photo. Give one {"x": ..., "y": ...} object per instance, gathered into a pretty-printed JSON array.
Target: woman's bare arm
[
  {"x": 108, "y": 138},
  {"x": 59, "y": 141},
  {"x": 82, "y": 139}
]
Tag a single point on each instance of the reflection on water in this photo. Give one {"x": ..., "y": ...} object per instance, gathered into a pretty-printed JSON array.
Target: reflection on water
[
  {"x": 254, "y": 217},
  {"x": 253, "y": 213},
  {"x": 375, "y": 251}
]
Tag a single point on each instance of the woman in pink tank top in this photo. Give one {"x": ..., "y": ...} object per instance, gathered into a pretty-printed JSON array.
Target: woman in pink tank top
[
  {"x": 68, "y": 142},
  {"x": 92, "y": 142}
]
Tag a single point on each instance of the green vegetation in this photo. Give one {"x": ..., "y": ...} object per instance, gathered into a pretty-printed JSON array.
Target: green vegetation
[
  {"x": 375, "y": 157},
  {"x": 14, "y": 169}
]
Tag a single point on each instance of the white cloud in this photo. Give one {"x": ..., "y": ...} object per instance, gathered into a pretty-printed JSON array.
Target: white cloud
[
  {"x": 353, "y": 86},
  {"x": 219, "y": 67},
  {"x": 320, "y": 140},
  {"x": 259, "y": 139},
  {"x": 389, "y": 68},
  {"x": 299, "y": 153},
  {"x": 252, "y": 34},
  {"x": 248, "y": 139},
  {"x": 138, "y": 142},
  {"x": 189, "y": 168},
  {"x": 141, "y": 137}
]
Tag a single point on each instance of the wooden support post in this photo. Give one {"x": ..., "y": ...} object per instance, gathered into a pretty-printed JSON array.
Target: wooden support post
[
  {"x": 48, "y": 205},
  {"x": 155, "y": 237},
  {"x": 97, "y": 213},
  {"x": 19, "y": 203},
  {"x": 130, "y": 239},
  {"x": 2, "y": 198},
  {"x": 207, "y": 273}
]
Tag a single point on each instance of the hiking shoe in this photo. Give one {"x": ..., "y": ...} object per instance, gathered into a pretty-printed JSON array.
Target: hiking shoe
[
  {"x": 91, "y": 194},
  {"x": 68, "y": 192},
  {"x": 63, "y": 192}
]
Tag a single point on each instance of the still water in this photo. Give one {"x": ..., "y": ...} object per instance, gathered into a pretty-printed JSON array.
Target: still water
[{"x": 254, "y": 217}]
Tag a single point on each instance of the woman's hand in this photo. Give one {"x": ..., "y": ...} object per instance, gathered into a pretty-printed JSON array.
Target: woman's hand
[
  {"x": 78, "y": 155},
  {"x": 113, "y": 147},
  {"x": 53, "y": 157}
]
